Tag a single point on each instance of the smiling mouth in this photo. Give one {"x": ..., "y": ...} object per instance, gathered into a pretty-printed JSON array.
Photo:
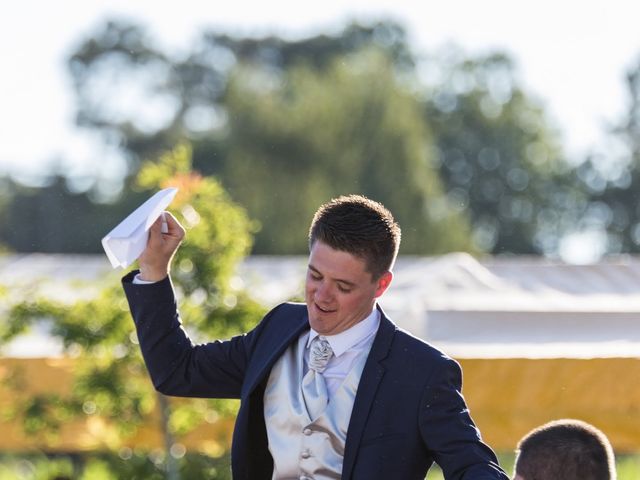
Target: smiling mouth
[{"x": 323, "y": 310}]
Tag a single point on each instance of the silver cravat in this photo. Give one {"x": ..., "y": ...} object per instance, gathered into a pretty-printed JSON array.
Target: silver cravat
[{"x": 314, "y": 387}]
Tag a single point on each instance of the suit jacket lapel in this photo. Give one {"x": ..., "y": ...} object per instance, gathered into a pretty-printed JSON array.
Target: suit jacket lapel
[
  {"x": 371, "y": 376},
  {"x": 284, "y": 331}
]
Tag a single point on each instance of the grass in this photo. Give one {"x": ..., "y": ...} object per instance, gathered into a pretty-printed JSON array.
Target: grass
[{"x": 112, "y": 467}]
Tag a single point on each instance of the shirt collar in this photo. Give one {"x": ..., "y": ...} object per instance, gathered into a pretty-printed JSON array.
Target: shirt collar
[{"x": 343, "y": 341}]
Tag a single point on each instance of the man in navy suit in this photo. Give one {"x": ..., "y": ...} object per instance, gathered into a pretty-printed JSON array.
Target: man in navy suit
[{"x": 331, "y": 388}]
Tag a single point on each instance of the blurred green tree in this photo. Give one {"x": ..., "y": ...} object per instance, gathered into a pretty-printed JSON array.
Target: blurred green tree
[
  {"x": 359, "y": 140},
  {"x": 503, "y": 181},
  {"x": 41, "y": 219},
  {"x": 501, "y": 163},
  {"x": 499, "y": 158},
  {"x": 303, "y": 136},
  {"x": 144, "y": 99},
  {"x": 611, "y": 180},
  {"x": 110, "y": 379}
]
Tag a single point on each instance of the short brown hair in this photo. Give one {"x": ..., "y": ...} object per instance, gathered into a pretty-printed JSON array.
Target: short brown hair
[
  {"x": 361, "y": 227},
  {"x": 567, "y": 450}
]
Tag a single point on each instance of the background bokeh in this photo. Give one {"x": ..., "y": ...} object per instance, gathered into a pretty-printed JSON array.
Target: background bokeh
[{"x": 494, "y": 129}]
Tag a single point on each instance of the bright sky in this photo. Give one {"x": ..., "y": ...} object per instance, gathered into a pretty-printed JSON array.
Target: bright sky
[{"x": 572, "y": 55}]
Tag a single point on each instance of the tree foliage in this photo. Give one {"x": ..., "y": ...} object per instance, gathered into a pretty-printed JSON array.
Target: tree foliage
[
  {"x": 285, "y": 124},
  {"x": 110, "y": 378},
  {"x": 145, "y": 99},
  {"x": 499, "y": 158},
  {"x": 52, "y": 218},
  {"x": 611, "y": 180},
  {"x": 307, "y": 136}
]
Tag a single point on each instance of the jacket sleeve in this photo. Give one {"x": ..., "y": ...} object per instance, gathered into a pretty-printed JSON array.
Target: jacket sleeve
[
  {"x": 449, "y": 432},
  {"x": 177, "y": 366}
]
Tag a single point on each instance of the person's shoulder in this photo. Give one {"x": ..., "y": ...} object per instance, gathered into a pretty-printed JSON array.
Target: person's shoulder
[
  {"x": 407, "y": 343},
  {"x": 288, "y": 312},
  {"x": 289, "y": 308},
  {"x": 415, "y": 358}
]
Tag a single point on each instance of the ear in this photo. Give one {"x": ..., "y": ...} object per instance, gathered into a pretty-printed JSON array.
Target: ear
[{"x": 383, "y": 283}]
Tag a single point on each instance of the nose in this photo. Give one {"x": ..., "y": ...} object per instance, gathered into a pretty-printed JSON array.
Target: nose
[{"x": 323, "y": 293}]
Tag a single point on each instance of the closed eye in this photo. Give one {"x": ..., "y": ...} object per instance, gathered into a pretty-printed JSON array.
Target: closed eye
[{"x": 315, "y": 275}]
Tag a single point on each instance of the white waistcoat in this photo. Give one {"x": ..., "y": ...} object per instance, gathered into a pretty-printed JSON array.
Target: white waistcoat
[{"x": 302, "y": 449}]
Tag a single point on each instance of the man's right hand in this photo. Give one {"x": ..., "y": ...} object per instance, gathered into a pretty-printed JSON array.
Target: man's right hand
[{"x": 155, "y": 260}]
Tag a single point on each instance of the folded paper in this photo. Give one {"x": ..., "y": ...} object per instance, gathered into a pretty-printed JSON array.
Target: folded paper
[{"x": 126, "y": 242}]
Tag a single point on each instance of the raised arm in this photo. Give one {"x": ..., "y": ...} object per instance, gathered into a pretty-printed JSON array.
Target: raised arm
[{"x": 175, "y": 364}]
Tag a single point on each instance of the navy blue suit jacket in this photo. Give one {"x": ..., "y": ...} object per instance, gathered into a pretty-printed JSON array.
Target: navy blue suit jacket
[{"x": 408, "y": 410}]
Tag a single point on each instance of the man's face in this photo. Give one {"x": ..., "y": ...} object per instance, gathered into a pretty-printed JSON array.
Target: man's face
[{"x": 339, "y": 290}]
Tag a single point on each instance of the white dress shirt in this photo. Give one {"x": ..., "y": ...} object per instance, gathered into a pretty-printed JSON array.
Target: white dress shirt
[
  {"x": 138, "y": 281},
  {"x": 346, "y": 346}
]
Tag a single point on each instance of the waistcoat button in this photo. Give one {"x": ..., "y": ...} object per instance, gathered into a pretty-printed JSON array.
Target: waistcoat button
[
  {"x": 305, "y": 454},
  {"x": 307, "y": 431}
]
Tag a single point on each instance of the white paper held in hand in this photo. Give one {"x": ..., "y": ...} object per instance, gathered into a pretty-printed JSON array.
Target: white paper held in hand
[{"x": 126, "y": 242}]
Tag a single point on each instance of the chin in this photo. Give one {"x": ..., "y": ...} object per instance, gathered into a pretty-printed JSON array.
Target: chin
[
  {"x": 315, "y": 324},
  {"x": 318, "y": 325}
]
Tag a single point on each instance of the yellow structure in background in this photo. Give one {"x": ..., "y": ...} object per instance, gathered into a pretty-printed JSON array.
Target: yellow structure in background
[
  {"x": 91, "y": 433},
  {"x": 507, "y": 398}
]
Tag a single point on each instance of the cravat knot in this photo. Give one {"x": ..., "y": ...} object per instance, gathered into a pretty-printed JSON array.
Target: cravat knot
[{"x": 320, "y": 354}]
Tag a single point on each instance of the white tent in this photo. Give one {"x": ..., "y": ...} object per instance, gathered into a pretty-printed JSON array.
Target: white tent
[
  {"x": 520, "y": 307},
  {"x": 496, "y": 307}
]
